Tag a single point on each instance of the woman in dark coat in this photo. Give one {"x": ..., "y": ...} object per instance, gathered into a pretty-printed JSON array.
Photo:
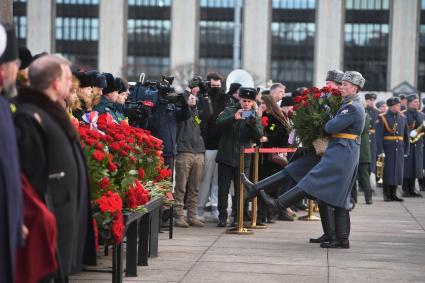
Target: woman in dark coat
[{"x": 276, "y": 127}]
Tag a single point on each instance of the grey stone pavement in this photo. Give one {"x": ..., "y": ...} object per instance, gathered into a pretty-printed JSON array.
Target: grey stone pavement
[{"x": 387, "y": 245}]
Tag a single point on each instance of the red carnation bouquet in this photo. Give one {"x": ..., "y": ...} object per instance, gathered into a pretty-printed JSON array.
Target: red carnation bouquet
[
  {"x": 121, "y": 160},
  {"x": 312, "y": 111}
]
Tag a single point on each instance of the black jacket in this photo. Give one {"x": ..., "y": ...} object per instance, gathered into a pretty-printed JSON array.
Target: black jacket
[
  {"x": 163, "y": 125},
  {"x": 52, "y": 159},
  {"x": 211, "y": 132}
]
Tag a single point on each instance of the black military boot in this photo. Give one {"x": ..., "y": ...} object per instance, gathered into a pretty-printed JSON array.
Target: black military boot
[
  {"x": 412, "y": 190},
  {"x": 276, "y": 180},
  {"x": 328, "y": 224},
  {"x": 393, "y": 192},
  {"x": 421, "y": 182},
  {"x": 342, "y": 231},
  {"x": 386, "y": 193},
  {"x": 286, "y": 200}
]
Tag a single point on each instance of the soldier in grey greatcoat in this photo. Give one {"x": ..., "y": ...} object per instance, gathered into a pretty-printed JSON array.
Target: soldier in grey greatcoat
[
  {"x": 302, "y": 162},
  {"x": 392, "y": 140},
  {"x": 413, "y": 163},
  {"x": 331, "y": 180}
]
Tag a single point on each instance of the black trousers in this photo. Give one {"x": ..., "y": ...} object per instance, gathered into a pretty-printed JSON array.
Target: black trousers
[{"x": 227, "y": 174}]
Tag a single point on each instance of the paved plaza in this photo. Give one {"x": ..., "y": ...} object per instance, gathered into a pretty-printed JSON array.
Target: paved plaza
[{"x": 387, "y": 245}]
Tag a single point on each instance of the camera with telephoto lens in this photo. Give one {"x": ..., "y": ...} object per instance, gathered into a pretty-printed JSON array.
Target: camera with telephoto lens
[{"x": 203, "y": 85}]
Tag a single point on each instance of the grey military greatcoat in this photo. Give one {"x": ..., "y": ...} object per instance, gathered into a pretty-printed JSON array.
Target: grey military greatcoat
[
  {"x": 332, "y": 178},
  {"x": 393, "y": 140},
  {"x": 413, "y": 163}
]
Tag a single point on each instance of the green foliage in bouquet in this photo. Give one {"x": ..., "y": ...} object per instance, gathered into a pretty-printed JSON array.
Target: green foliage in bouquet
[{"x": 311, "y": 114}]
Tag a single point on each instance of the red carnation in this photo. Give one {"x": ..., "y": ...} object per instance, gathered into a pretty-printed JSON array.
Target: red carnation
[
  {"x": 99, "y": 146},
  {"x": 115, "y": 146},
  {"x": 117, "y": 228},
  {"x": 265, "y": 121},
  {"x": 141, "y": 173},
  {"x": 326, "y": 89},
  {"x": 104, "y": 183},
  {"x": 110, "y": 202},
  {"x": 305, "y": 104},
  {"x": 98, "y": 155},
  {"x": 298, "y": 99},
  {"x": 112, "y": 166},
  {"x": 317, "y": 95},
  {"x": 305, "y": 92},
  {"x": 296, "y": 107}
]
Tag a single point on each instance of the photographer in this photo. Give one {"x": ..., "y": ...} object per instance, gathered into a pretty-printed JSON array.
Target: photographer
[
  {"x": 240, "y": 128},
  {"x": 189, "y": 162},
  {"x": 208, "y": 188}
]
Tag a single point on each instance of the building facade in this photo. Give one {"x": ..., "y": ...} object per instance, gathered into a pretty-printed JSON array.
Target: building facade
[{"x": 291, "y": 41}]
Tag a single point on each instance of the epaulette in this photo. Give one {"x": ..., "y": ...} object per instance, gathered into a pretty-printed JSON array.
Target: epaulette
[{"x": 382, "y": 114}]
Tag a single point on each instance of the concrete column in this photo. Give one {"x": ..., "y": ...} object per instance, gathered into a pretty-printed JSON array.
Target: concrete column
[
  {"x": 41, "y": 25},
  {"x": 329, "y": 38},
  {"x": 184, "y": 33},
  {"x": 6, "y": 11},
  {"x": 404, "y": 42},
  {"x": 256, "y": 42},
  {"x": 113, "y": 36}
]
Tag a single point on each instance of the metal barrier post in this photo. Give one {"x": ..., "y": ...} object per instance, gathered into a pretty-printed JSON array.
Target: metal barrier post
[
  {"x": 254, "y": 224},
  {"x": 310, "y": 216},
  {"x": 240, "y": 230}
]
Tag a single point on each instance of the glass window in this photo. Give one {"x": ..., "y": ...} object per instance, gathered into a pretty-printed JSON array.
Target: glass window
[
  {"x": 366, "y": 41},
  {"x": 292, "y": 33},
  {"x": 294, "y": 4},
  {"x": 20, "y": 23},
  {"x": 79, "y": 2},
  {"x": 367, "y": 4},
  {"x": 292, "y": 44},
  {"x": 152, "y": 35},
  {"x": 217, "y": 3},
  {"x": 366, "y": 34},
  {"x": 157, "y": 31},
  {"x": 153, "y": 67},
  {"x": 79, "y": 29},
  {"x": 156, "y": 3},
  {"x": 218, "y": 32}
]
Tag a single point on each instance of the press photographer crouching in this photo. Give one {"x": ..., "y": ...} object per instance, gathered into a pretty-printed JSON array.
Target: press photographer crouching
[{"x": 240, "y": 128}]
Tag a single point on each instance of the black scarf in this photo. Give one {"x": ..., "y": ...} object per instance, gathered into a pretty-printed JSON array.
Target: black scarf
[{"x": 54, "y": 109}]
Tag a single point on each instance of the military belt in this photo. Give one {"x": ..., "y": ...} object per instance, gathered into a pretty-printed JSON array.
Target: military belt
[
  {"x": 393, "y": 138},
  {"x": 345, "y": 136}
]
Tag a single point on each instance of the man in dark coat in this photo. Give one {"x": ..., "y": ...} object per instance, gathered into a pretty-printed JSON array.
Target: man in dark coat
[
  {"x": 52, "y": 159},
  {"x": 328, "y": 181},
  {"x": 413, "y": 163},
  {"x": 392, "y": 140},
  {"x": 11, "y": 206}
]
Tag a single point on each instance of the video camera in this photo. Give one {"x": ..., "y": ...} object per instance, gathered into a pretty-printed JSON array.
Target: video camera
[
  {"x": 145, "y": 95},
  {"x": 203, "y": 85}
]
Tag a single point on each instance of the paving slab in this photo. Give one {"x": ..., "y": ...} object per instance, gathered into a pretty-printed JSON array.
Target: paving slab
[{"x": 387, "y": 245}]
